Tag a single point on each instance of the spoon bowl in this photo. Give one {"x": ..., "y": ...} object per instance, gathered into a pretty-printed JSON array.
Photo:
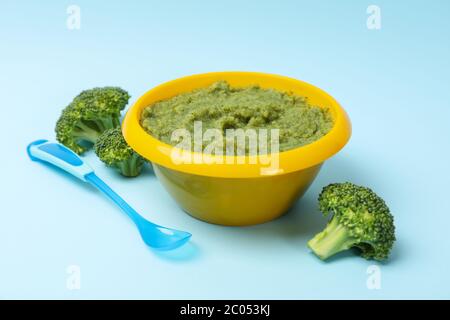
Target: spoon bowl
[{"x": 162, "y": 238}]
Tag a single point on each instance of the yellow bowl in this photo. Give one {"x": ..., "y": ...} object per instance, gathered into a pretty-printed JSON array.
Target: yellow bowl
[{"x": 238, "y": 192}]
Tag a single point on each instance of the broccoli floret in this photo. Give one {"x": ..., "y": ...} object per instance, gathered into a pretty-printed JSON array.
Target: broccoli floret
[
  {"x": 112, "y": 149},
  {"x": 88, "y": 115},
  {"x": 360, "y": 219}
]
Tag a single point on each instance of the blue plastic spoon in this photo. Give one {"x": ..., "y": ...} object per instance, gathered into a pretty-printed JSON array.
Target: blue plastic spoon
[{"x": 154, "y": 236}]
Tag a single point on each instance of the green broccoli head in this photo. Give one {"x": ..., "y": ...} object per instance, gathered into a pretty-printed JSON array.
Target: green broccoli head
[
  {"x": 360, "y": 219},
  {"x": 112, "y": 149},
  {"x": 88, "y": 115}
]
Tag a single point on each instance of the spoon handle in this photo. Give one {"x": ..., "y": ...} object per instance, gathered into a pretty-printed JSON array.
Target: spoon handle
[
  {"x": 110, "y": 193},
  {"x": 59, "y": 156},
  {"x": 64, "y": 158}
]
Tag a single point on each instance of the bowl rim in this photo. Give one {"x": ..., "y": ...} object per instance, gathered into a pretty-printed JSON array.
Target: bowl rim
[{"x": 289, "y": 161}]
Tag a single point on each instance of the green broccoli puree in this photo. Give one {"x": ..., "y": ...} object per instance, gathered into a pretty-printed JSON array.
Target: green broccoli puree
[{"x": 221, "y": 106}]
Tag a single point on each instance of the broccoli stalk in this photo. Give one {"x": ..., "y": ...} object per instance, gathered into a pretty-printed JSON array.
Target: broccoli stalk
[
  {"x": 130, "y": 167},
  {"x": 360, "y": 219},
  {"x": 88, "y": 115},
  {"x": 112, "y": 149},
  {"x": 82, "y": 131},
  {"x": 335, "y": 238}
]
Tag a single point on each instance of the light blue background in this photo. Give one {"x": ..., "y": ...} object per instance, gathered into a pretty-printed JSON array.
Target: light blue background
[{"x": 393, "y": 82}]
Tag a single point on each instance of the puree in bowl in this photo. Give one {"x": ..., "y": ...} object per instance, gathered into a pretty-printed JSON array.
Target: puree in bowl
[{"x": 223, "y": 107}]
